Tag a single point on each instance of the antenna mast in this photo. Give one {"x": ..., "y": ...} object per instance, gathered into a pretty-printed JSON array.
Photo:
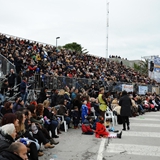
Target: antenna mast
[{"x": 107, "y": 29}]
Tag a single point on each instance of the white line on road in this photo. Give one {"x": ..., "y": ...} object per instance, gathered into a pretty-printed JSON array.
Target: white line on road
[
  {"x": 101, "y": 149},
  {"x": 134, "y": 149},
  {"x": 145, "y": 125},
  {"x": 145, "y": 119},
  {"x": 142, "y": 134}
]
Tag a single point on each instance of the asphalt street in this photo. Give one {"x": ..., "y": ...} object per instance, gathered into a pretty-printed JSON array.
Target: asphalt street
[{"x": 142, "y": 141}]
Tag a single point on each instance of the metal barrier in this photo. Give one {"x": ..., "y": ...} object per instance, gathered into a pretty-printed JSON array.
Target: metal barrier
[
  {"x": 5, "y": 66},
  {"x": 60, "y": 82}
]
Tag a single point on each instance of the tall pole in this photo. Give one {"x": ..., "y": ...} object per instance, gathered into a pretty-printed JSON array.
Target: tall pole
[
  {"x": 107, "y": 29},
  {"x": 56, "y": 41}
]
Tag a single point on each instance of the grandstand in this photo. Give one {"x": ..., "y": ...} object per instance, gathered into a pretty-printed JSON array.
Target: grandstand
[{"x": 58, "y": 69}]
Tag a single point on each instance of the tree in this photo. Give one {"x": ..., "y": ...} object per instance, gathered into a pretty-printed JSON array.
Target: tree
[
  {"x": 142, "y": 67},
  {"x": 75, "y": 47}
]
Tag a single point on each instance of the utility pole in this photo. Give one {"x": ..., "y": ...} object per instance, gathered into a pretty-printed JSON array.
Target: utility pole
[{"x": 107, "y": 29}]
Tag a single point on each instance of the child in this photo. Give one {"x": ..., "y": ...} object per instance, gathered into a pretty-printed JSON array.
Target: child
[
  {"x": 86, "y": 126},
  {"x": 84, "y": 112},
  {"x": 102, "y": 132},
  {"x": 76, "y": 117}
]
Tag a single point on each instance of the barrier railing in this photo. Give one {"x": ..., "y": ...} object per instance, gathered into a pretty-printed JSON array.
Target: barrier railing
[
  {"x": 60, "y": 82},
  {"x": 5, "y": 65}
]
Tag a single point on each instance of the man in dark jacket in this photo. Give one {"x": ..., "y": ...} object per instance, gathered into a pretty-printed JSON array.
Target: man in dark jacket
[
  {"x": 125, "y": 103},
  {"x": 16, "y": 151},
  {"x": 11, "y": 80},
  {"x": 24, "y": 89}
]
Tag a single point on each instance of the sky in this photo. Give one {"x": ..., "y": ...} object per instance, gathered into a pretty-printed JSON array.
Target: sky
[{"x": 133, "y": 32}]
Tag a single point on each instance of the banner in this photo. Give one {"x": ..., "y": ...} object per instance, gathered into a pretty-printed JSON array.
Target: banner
[
  {"x": 155, "y": 89},
  {"x": 157, "y": 69},
  {"x": 142, "y": 90},
  {"x": 128, "y": 88}
]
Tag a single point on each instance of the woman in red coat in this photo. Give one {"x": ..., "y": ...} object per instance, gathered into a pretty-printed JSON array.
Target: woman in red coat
[{"x": 102, "y": 132}]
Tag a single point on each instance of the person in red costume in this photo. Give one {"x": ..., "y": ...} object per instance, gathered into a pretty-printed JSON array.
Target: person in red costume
[{"x": 102, "y": 132}]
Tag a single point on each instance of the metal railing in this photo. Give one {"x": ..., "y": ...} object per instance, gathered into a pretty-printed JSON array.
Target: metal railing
[
  {"x": 5, "y": 66},
  {"x": 60, "y": 82}
]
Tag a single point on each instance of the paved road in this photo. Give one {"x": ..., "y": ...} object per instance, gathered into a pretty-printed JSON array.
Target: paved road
[{"x": 141, "y": 142}]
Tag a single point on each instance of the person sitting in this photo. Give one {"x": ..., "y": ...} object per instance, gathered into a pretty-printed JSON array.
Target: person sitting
[
  {"x": 16, "y": 151},
  {"x": 64, "y": 112},
  {"x": 87, "y": 126},
  {"x": 39, "y": 132},
  {"x": 7, "y": 108},
  {"x": 22, "y": 132},
  {"x": 102, "y": 132},
  {"x": 7, "y": 136},
  {"x": 50, "y": 123}
]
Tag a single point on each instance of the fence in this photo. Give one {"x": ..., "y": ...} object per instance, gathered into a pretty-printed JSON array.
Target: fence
[
  {"x": 5, "y": 66},
  {"x": 60, "y": 82}
]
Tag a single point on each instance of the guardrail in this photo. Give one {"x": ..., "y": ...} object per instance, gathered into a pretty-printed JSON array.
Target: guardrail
[
  {"x": 5, "y": 66},
  {"x": 52, "y": 82}
]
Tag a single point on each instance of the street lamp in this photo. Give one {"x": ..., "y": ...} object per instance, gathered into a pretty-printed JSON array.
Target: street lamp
[{"x": 56, "y": 41}]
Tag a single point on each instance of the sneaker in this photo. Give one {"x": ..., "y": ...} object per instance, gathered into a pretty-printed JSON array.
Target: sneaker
[
  {"x": 124, "y": 129},
  {"x": 119, "y": 135},
  {"x": 128, "y": 128}
]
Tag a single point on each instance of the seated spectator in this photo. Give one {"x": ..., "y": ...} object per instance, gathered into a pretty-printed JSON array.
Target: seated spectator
[
  {"x": 43, "y": 95},
  {"x": 102, "y": 132},
  {"x": 10, "y": 118},
  {"x": 19, "y": 105},
  {"x": 39, "y": 132},
  {"x": 64, "y": 112},
  {"x": 7, "y": 108},
  {"x": 7, "y": 136},
  {"x": 87, "y": 126},
  {"x": 16, "y": 151},
  {"x": 15, "y": 103},
  {"x": 33, "y": 146},
  {"x": 49, "y": 116}
]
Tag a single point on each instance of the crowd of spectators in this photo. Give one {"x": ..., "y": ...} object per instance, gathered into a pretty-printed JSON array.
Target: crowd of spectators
[
  {"x": 32, "y": 122},
  {"x": 32, "y": 57}
]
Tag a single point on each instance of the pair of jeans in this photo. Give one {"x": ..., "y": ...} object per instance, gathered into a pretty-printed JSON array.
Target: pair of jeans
[
  {"x": 2, "y": 97},
  {"x": 40, "y": 137},
  {"x": 52, "y": 127},
  {"x": 24, "y": 96},
  {"x": 67, "y": 119}
]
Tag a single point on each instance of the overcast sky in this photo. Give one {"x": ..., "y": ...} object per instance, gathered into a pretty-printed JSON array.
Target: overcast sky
[{"x": 134, "y": 25}]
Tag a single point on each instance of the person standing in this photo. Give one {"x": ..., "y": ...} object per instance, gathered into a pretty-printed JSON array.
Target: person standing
[
  {"x": 125, "y": 103},
  {"x": 24, "y": 89},
  {"x": 103, "y": 102},
  {"x": 11, "y": 81}
]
